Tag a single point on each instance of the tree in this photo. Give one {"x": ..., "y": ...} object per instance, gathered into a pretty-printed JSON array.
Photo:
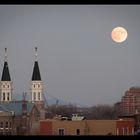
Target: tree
[
  {"x": 63, "y": 110},
  {"x": 101, "y": 111}
]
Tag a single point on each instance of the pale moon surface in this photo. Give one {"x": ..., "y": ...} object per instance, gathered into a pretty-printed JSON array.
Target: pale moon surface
[{"x": 119, "y": 34}]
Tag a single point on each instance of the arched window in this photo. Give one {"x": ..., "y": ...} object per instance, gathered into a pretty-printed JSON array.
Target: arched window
[
  {"x": 6, "y": 124},
  {"x": 34, "y": 96},
  {"x": 1, "y": 125},
  {"x": 8, "y": 96},
  {"x": 38, "y": 95},
  {"x": 3, "y": 96}
]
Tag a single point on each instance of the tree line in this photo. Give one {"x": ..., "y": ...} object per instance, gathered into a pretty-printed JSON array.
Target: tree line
[{"x": 99, "y": 112}]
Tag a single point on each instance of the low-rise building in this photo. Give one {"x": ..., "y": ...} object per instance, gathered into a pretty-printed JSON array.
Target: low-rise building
[
  {"x": 18, "y": 118},
  {"x": 87, "y": 127}
]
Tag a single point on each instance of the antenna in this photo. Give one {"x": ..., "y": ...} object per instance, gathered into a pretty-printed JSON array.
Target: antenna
[
  {"x": 5, "y": 57},
  {"x": 35, "y": 53}
]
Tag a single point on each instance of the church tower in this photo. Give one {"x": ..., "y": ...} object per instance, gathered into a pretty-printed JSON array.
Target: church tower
[
  {"x": 6, "y": 83},
  {"x": 37, "y": 84}
]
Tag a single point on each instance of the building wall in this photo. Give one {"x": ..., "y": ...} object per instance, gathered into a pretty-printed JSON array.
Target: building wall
[
  {"x": 13, "y": 127},
  {"x": 6, "y": 125},
  {"x": 125, "y": 127},
  {"x": 87, "y": 127},
  {"x": 102, "y": 127},
  {"x": 6, "y": 90},
  {"x": 36, "y": 90},
  {"x": 46, "y": 128},
  {"x": 84, "y": 127},
  {"x": 69, "y": 127},
  {"x": 20, "y": 124},
  {"x": 131, "y": 101},
  {"x": 34, "y": 121}
]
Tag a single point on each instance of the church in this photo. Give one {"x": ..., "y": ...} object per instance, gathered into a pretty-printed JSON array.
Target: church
[{"x": 21, "y": 117}]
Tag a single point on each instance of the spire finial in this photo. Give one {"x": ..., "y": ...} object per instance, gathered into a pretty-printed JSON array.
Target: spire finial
[
  {"x": 35, "y": 53},
  {"x": 5, "y": 57}
]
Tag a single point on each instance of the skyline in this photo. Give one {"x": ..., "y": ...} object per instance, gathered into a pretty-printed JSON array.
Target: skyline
[{"x": 78, "y": 60}]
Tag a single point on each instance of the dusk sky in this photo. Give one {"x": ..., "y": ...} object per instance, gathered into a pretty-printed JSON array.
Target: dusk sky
[{"x": 78, "y": 60}]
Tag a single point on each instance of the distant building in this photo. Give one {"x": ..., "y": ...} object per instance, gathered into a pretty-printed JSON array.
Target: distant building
[
  {"x": 136, "y": 123},
  {"x": 18, "y": 118},
  {"x": 130, "y": 102},
  {"x": 87, "y": 127},
  {"x": 21, "y": 117},
  {"x": 125, "y": 127}
]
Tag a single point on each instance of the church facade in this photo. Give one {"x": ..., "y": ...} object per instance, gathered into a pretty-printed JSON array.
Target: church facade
[{"x": 21, "y": 117}]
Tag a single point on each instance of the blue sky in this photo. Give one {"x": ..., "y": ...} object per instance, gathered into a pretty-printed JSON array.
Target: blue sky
[{"x": 78, "y": 60}]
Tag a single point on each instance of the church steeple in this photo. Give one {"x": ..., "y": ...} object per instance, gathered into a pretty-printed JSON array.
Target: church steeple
[
  {"x": 6, "y": 83},
  {"x": 36, "y": 83},
  {"x": 36, "y": 71},
  {"x": 5, "y": 73}
]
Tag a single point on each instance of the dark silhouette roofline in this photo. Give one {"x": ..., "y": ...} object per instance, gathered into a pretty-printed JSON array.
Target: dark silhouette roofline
[
  {"x": 36, "y": 72},
  {"x": 5, "y": 73}
]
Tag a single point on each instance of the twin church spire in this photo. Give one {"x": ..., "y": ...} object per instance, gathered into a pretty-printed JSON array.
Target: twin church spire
[
  {"x": 6, "y": 83},
  {"x": 36, "y": 71},
  {"x": 36, "y": 83},
  {"x": 5, "y": 73}
]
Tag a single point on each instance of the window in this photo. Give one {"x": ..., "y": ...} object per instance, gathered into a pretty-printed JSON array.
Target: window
[
  {"x": 8, "y": 96},
  {"x": 34, "y": 96},
  {"x": 8, "y": 86},
  {"x": 6, "y": 124},
  {"x": 61, "y": 131},
  {"x": 3, "y": 86},
  {"x": 77, "y": 131},
  {"x": 10, "y": 124},
  {"x": 38, "y": 95},
  {"x": 3, "y": 96},
  {"x": 34, "y": 85},
  {"x": 38, "y": 85},
  {"x": 1, "y": 125}
]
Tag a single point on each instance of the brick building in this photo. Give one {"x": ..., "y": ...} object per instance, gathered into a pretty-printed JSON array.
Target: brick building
[
  {"x": 125, "y": 127},
  {"x": 87, "y": 127},
  {"x": 130, "y": 102}
]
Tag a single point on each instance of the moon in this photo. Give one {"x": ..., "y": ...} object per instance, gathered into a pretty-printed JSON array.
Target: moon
[{"x": 119, "y": 34}]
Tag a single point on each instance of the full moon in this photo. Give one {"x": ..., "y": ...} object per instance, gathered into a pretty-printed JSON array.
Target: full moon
[{"x": 119, "y": 34}]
